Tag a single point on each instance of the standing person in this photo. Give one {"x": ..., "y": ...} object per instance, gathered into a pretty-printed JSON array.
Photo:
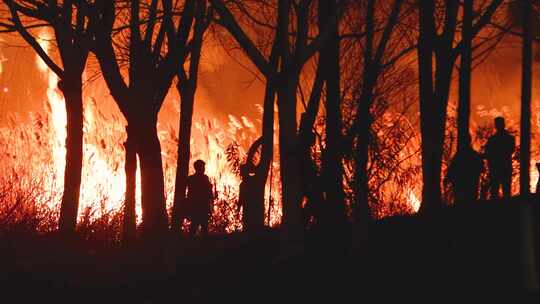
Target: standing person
[
  {"x": 246, "y": 201},
  {"x": 464, "y": 173},
  {"x": 498, "y": 152},
  {"x": 200, "y": 198}
]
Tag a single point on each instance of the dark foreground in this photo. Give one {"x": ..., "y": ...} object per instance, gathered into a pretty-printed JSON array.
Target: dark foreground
[{"x": 455, "y": 252}]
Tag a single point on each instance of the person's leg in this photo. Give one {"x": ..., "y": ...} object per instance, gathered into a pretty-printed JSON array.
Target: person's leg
[
  {"x": 507, "y": 185},
  {"x": 493, "y": 187}
]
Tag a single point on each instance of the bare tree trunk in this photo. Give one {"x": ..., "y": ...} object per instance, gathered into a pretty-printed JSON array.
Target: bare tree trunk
[
  {"x": 433, "y": 134},
  {"x": 292, "y": 224},
  {"x": 267, "y": 150},
  {"x": 527, "y": 248},
  {"x": 526, "y": 87},
  {"x": 311, "y": 184},
  {"x": 372, "y": 68},
  {"x": 286, "y": 101},
  {"x": 267, "y": 146},
  {"x": 464, "y": 106},
  {"x": 332, "y": 171},
  {"x": 182, "y": 163},
  {"x": 129, "y": 224},
  {"x": 253, "y": 215},
  {"x": 187, "y": 87},
  {"x": 434, "y": 96},
  {"x": 72, "y": 90},
  {"x": 362, "y": 211},
  {"x": 427, "y": 102},
  {"x": 152, "y": 181}
]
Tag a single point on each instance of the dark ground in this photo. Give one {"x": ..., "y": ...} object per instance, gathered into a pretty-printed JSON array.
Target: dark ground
[{"x": 456, "y": 252}]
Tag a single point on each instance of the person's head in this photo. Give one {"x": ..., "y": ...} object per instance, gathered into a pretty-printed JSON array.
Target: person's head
[
  {"x": 199, "y": 166},
  {"x": 499, "y": 123}
]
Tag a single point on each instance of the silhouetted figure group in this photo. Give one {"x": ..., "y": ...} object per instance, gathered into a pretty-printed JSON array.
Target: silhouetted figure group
[
  {"x": 199, "y": 200},
  {"x": 467, "y": 165},
  {"x": 463, "y": 174}
]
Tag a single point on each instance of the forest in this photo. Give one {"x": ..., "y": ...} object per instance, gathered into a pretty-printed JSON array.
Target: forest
[{"x": 207, "y": 150}]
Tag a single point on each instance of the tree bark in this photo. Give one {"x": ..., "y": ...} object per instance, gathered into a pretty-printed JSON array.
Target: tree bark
[
  {"x": 526, "y": 91},
  {"x": 154, "y": 212},
  {"x": 253, "y": 199},
  {"x": 129, "y": 222},
  {"x": 425, "y": 69},
  {"x": 267, "y": 147},
  {"x": 71, "y": 87},
  {"x": 362, "y": 211},
  {"x": 373, "y": 54},
  {"x": 187, "y": 87},
  {"x": 527, "y": 249},
  {"x": 153, "y": 64},
  {"x": 290, "y": 185},
  {"x": 464, "y": 106},
  {"x": 182, "y": 162},
  {"x": 332, "y": 171},
  {"x": 434, "y": 96},
  {"x": 433, "y": 134},
  {"x": 266, "y": 143}
]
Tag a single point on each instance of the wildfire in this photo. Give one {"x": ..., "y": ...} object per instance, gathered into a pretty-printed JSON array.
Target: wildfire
[
  {"x": 103, "y": 176},
  {"x": 414, "y": 202},
  {"x": 100, "y": 183}
]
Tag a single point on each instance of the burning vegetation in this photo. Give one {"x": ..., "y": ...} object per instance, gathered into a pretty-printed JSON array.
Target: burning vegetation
[{"x": 343, "y": 134}]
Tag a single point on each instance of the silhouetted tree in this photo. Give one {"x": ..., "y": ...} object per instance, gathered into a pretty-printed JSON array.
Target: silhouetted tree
[
  {"x": 332, "y": 160},
  {"x": 155, "y": 50},
  {"x": 464, "y": 104},
  {"x": 187, "y": 87},
  {"x": 293, "y": 51},
  {"x": 264, "y": 145},
  {"x": 437, "y": 52},
  {"x": 526, "y": 91},
  {"x": 376, "y": 57},
  {"x": 70, "y": 29},
  {"x": 528, "y": 259}
]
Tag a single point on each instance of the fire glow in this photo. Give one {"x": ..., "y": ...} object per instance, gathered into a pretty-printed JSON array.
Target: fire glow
[
  {"x": 100, "y": 182},
  {"x": 103, "y": 175}
]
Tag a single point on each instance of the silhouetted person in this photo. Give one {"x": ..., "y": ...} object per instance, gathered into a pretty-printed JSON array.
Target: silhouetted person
[
  {"x": 464, "y": 173},
  {"x": 200, "y": 198},
  {"x": 246, "y": 199},
  {"x": 498, "y": 152}
]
